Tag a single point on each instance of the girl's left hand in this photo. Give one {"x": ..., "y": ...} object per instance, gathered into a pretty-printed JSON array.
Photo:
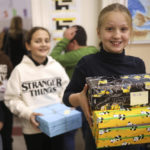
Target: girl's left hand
[{"x": 33, "y": 119}]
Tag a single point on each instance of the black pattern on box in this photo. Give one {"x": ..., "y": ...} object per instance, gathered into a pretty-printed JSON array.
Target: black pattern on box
[{"x": 114, "y": 92}]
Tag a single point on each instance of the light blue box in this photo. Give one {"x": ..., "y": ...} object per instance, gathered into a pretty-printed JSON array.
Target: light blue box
[{"x": 58, "y": 119}]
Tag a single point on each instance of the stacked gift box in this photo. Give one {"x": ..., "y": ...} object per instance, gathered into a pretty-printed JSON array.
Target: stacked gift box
[
  {"x": 120, "y": 108},
  {"x": 121, "y": 127},
  {"x": 58, "y": 119}
]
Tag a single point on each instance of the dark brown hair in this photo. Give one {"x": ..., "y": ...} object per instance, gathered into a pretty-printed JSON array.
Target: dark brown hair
[{"x": 81, "y": 36}]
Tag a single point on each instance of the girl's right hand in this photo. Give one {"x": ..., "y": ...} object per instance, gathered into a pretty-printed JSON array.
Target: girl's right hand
[
  {"x": 33, "y": 119},
  {"x": 83, "y": 100}
]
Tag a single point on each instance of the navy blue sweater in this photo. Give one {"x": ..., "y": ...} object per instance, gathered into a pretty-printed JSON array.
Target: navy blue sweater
[{"x": 102, "y": 64}]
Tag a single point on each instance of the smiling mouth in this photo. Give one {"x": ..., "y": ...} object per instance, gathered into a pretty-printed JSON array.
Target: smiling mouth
[
  {"x": 116, "y": 43},
  {"x": 43, "y": 50}
]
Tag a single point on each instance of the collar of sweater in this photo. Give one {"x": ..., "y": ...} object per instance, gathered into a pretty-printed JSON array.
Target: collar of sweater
[
  {"x": 112, "y": 57},
  {"x": 36, "y": 63}
]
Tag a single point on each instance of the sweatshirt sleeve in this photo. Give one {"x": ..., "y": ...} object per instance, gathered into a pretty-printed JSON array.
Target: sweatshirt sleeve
[{"x": 13, "y": 97}]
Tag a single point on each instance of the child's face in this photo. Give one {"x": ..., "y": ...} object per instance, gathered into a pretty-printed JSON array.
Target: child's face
[
  {"x": 114, "y": 32},
  {"x": 39, "y": 46}
]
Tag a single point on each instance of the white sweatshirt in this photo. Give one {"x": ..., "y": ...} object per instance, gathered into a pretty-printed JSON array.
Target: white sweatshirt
[{"x": 30, "y": 87}]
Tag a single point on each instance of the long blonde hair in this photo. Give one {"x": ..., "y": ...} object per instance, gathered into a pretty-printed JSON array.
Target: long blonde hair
[{"x": 114, "y": 7}]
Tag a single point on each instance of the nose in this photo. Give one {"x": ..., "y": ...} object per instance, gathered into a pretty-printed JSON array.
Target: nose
[
  {"x": 43, "y": 43},
  {"x": 116, "y": 34}
]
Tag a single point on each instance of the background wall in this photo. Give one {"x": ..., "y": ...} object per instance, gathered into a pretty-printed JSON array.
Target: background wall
[
  {"x": 40, "y": 12},
  {"x": 142, "y": 51},
  {"x": 10, "y": 8},
  {"x": 89, "y": 16}
]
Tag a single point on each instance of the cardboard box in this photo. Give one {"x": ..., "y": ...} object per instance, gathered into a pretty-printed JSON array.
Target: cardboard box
[
  {"x": 58, "y": 119},
  {"x": 115, "y": 92},
  {"x": 121, "y": 127}
]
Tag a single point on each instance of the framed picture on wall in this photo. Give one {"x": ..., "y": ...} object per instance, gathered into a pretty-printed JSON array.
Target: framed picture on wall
[{"x": 140, "y": 11}]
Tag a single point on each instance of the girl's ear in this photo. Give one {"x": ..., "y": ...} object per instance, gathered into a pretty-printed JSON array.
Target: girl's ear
[
  {"x": 27, "y": 46},
  {"x": 98, "y": 33}
]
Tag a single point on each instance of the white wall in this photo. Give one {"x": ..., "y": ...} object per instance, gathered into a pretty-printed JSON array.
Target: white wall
[
  {"x": 40, "y": 13},
  {"x": 89, "y": 16}
]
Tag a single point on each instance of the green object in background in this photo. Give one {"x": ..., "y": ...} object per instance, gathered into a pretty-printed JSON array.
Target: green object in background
[{"x": 14, "y": 12}]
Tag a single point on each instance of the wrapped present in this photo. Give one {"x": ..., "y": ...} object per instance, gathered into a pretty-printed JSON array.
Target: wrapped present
[
  {"x": 114, "y": 137},
  {"x": 121, "y": 127},
  {"x": 58, "y": 119},
  {"x": 122, "y": 117},
  {"x": 115, "y": 92}
]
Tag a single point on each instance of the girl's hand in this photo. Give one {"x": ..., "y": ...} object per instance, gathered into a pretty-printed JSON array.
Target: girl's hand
[
  {"x": 83, "y": 100},
  {"x": 33, "y": 119}
]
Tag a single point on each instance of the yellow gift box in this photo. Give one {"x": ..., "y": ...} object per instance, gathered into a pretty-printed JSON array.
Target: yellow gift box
[
  {"x": 121, "y": 127},
  {"x": 124, "y": 117},
  {"x": 123, "y": 136}
]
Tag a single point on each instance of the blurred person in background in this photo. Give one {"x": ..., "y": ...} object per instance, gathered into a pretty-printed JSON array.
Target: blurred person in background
[
  {"x": 13, "y": 41},
  {"x": 7, "y": 117}
]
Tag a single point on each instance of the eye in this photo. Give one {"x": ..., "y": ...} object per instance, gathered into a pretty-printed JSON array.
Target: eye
[
  {"x": 37, "y": 41},
  {"x": 109, "y": 28},
  {"x": 124, "y": 29},
  {"x": 47, "y": 40}
]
